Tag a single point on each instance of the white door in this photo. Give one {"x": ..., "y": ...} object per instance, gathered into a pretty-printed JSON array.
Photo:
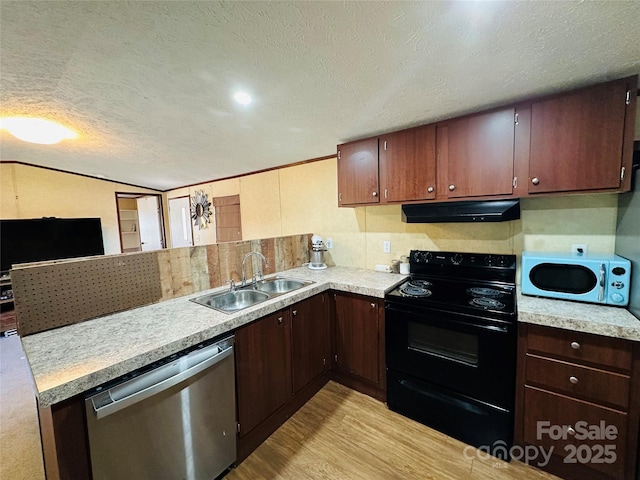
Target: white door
[
  {"x": 149, "y": 218},
  {"x": 180, "y": 222}
]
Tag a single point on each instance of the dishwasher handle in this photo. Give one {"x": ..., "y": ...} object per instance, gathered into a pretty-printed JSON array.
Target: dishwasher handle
[{"x": 151, "y": 383}]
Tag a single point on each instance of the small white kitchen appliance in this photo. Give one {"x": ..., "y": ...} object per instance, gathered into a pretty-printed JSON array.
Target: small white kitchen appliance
[{"x": 317, "y": 253}]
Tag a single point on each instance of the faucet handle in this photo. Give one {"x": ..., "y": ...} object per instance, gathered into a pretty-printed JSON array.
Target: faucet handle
[{"x": 232, "y": 284}]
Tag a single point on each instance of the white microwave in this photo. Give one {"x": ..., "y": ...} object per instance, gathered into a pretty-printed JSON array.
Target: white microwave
[{"x": 603, "y": 279}]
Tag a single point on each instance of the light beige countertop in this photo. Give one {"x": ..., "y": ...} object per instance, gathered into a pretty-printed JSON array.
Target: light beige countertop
[
  {"x": 581, "y": 317},
  {"x": 73, "y": 359},
  {"x": 70, "y": 360}
]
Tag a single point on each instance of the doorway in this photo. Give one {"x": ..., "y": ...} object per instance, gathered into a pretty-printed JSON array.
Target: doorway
[
  {"x": 140, "y": 222},
  {"x": 227, "y": 218},
  {"x": 180, "y": 222}
]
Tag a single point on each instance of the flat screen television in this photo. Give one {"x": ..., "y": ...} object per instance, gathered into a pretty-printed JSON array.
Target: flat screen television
[{"x": 38, "y": 239}]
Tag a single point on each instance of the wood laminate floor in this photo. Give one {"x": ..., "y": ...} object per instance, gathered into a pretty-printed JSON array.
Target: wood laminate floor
[{"x": 343, "y": 434}]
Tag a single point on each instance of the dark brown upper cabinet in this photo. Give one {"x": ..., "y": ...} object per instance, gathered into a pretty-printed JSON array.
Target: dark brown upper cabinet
[
  {"x": 408, "y": 164},
  {"x": 358, "y": 182},
  {"x": 578, "y": 139},
  {"x": 475, "y": 155}
]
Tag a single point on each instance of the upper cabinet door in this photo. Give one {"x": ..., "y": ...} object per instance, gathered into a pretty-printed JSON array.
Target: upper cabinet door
[
  {"x": 408, "y": 164},
  {"x": 577, "y": 140},
  {"x": 358, "y": 182},
  {"x": 478, "y": 155}
]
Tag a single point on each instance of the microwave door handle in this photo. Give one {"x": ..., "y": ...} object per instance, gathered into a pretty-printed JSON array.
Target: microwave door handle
[{"x": 602, "y": 283}]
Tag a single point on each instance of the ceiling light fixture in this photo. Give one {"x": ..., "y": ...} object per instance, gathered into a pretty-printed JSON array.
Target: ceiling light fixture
[
  {"x": 242, "y": 98},
  {"x": 36, "y": 130}
]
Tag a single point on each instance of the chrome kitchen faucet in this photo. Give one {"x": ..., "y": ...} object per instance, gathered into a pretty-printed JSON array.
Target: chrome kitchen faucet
[{"x": 259, "y": 273}]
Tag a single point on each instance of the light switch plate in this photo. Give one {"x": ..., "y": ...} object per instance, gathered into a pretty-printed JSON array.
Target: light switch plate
[
  {"x": 386, "y": 246},
  {"x": 329, "y": 243}
]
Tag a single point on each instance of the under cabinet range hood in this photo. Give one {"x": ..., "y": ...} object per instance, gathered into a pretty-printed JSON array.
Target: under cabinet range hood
[{"x": 474, "y": 211}]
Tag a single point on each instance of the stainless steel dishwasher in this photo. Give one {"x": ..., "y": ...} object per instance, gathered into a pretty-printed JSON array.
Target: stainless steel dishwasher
[{"x": 175, "y": 419}]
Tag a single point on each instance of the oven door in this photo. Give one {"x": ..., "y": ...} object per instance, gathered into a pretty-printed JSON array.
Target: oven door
[{"x": 470, "y": 355}]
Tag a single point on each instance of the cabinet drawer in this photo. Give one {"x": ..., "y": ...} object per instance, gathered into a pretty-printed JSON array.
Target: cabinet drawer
[
  {"x": 607, "y": 388},
  {"x": 563, "y": 412},
  {"x": 580, "y": 347}
]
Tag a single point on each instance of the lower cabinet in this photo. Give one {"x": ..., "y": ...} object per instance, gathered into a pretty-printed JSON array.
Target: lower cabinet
[
  {"x": 358, "y": 343},
  {"x": 263, "y": 368},
  {"x": 309, "y": 341},
  {"x": 282, "y": 360},
  {"x": 578, "y": 403}
]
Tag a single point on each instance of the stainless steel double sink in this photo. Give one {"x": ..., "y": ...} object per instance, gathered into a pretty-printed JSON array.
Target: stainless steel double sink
[{"x": 244, "y": 297}]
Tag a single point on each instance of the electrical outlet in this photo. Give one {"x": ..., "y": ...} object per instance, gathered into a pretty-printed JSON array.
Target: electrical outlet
[
  {"x": 329, "y": 243},
  {"x": 579, "y": 249},
  {"x": 386, "y": 246}
]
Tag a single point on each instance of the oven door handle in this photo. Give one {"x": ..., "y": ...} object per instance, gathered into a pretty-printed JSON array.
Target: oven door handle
[
  {"x": 474, "y": 326},
  {"x": 444, "y": 398}
]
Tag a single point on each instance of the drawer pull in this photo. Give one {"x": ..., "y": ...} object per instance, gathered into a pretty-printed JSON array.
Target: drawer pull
[
  {"x": 573, "y": 380},
  {"x": 575, "y": 345},
  {"x": 571, "y": 431}
]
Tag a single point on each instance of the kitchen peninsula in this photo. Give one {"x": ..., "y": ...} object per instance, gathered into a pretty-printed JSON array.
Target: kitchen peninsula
[{"x": 70, "y": 360}]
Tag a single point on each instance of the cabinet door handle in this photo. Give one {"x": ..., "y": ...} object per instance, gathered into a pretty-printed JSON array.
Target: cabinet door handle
[
  {"x": 386, "y": 193},
  {"x": 573, "y": 379},
  {"x": 373, "y": 305},
  {"x": 452, "y": 187},
  {"x": 535, "y": 180},
  {"x": 279, "y": 320},
  {"x": 340, "y": 197},
  {"x": 571, "y": 431},
  {"x": 294, "y": 312},
  {"x": 430, "y": 189},
  {"x": 575, "y": 345},
  {"x": 375, "y": 194}
]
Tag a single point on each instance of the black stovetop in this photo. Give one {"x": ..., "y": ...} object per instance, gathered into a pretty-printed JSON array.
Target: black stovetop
[{"x": 469, "y": 283}]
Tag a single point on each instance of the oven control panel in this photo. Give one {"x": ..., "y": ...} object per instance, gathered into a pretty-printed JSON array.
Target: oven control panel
[{"x": 422, "y": 257}]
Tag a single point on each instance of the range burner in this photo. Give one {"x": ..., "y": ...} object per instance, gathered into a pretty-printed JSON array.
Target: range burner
[
  {"x": 413, "y": 289},
  {"x": 485, "y": 292},
  {"x": 419, "y": 283},
  {"x": 488, "y": 303}
]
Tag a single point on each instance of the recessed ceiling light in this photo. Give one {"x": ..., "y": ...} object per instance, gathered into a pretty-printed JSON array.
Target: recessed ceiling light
[
  {"x": 36, "y": 130},
  {"x": 242, "y": 98}
]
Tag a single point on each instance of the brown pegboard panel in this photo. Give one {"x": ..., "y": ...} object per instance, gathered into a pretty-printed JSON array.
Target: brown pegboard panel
[{"x": 53, "y": 295}]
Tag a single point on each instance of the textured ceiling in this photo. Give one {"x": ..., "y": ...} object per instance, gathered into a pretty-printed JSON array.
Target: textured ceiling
[{"x": 148, "y": 85}]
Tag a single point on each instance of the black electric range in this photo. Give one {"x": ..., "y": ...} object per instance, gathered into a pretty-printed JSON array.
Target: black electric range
[{"x": 451, "y": 336}]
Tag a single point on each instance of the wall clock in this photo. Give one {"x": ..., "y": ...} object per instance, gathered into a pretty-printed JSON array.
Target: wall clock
[{"x": 200, "y": 211}]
